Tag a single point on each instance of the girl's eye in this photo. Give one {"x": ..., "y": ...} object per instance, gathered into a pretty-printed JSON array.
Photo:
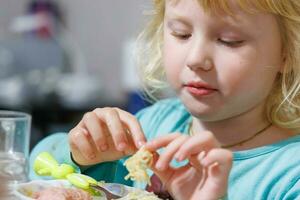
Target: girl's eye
[
  {"x": 181, "y": 36},
  {"x": 231, "y": 43}
]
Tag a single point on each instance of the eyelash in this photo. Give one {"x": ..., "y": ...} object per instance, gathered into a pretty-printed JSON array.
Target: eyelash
[
  {"x": 233, "y": 43},
  {"x": 181, "y": 36}
]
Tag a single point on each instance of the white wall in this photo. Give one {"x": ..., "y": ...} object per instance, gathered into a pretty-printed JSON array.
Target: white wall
[
  {"x": 99, "y": 27},
  {"x": 8, "y": 10}
]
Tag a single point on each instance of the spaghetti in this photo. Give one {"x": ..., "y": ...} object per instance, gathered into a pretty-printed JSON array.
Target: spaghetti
[{"x": 138, "y": 164}]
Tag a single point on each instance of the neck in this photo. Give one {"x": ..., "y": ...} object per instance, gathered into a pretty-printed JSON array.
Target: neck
[{"x": 238, "y": 128}]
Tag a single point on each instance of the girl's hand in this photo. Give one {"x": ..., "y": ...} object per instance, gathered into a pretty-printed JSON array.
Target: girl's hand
[
  {"x": 206, "y": 174},
  {"x": 105, "y": 134}
]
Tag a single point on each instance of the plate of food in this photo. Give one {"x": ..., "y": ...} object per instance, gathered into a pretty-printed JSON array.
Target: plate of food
[
  {"x": 64, "y": 190},
  {"x": 52, "y": 189},
  {"x": 74, "y": 186}
]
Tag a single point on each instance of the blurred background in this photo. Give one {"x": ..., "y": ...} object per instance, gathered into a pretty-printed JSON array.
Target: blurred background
[{"x": 62, "y": 58}]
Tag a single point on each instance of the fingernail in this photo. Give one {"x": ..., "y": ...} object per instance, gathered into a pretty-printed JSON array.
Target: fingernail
[
  {"x": 159, "y": 167},
  {"x": 141, "y": 143},
  {"x": 92, "y": 156},
  {"x": 103, "y": 147},
  {"x": 215, "y": 164},
  {"x": 180, "y": 158},
  {"x": 201, "y": 155},
  {"x": 122, "y": 146},
  {"x": 177, "y": 157}
]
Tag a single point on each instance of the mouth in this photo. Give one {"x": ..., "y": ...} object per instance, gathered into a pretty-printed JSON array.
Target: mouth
[{"x": 199, "y": 89}]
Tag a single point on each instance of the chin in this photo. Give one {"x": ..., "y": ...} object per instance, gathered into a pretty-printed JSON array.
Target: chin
[
  {"x": 202, "y": 110},
  {"x": 204, "y": 115}
]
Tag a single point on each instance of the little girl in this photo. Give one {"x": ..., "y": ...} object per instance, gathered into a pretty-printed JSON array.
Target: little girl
[{"x": 234, "y": 66}]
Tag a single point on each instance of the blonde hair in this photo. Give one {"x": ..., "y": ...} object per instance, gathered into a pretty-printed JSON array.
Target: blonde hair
[{"x": 283, "y": 103}]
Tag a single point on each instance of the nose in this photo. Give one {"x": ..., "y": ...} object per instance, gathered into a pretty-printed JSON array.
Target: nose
[{"x": 199, "y": 57}]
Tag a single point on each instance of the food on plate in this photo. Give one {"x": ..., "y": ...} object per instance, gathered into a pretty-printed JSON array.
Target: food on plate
[
  {"x": 46, "y": 165},
  {"x": 59, "y": 193},
  {"x": 63, "y": 190},
  {"x": 138, "y": 164},
  {"x": 140, "y": 195}
]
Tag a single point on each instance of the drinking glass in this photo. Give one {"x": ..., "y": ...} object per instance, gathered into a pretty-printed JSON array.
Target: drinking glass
[{"x": 14, "y": 146}]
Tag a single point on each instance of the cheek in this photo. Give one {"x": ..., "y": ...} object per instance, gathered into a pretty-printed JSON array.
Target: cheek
[
  {"x": 173, "y": 71},
  {"x": 229, "y": 71},
  {"x": 248, "y": 78},
  {"x": 246, "y": 68},
  {"x": 173, "y": 62}
]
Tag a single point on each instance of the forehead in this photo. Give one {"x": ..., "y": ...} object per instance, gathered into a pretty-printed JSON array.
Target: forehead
[
  {"x": 228, "y": 7},
  {"x": 190, "y": 8},
  {"x": 192, "y": 11}
]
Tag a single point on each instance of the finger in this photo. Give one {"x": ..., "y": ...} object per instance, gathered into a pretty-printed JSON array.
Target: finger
[
  {"x": 95, "y": 128},
  {"x": 131, "y": 149},
  {"x": 195, "y": 161},
  {"x": 180, "y": 176},
  {"x": 72, "y": 138},
  {"x": 165, "y": 175},
  {"x": 221, "y": 156},
  {"x": 77, "y": 156},
  {"x": 168, "y": 176},
  {"x": 162, "y": 141},
  {"x": 196, "y": 144},
  {"x": 79, "y": 139},
  {"x": 219, "y": 163},
  {"x": 166, "y": 157},
  {"x": 133, "y": 126},
  {"x": 115, "y": 127}
]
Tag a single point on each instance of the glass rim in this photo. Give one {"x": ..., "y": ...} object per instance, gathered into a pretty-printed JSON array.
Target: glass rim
[{"x": 14, "y": 115}]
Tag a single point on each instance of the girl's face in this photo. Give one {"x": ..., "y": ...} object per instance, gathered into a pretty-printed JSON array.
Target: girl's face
[{"x": 221, "y": 66}]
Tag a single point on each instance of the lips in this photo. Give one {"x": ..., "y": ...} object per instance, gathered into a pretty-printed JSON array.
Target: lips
[{"x": 199, "y": 89}]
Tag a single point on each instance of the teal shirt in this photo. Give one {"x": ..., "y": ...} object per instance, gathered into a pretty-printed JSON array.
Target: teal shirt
[{"x": 269, "y": 172}]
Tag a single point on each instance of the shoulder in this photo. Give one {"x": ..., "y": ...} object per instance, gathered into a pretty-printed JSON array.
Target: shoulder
[
  {"x": 274, "y": 171},
  {"x": 282, "y": 154},
  {"x": 288, "y": 150},
  {"x": 164, "y": 116},
  {"x": 286, "y": 169}
]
